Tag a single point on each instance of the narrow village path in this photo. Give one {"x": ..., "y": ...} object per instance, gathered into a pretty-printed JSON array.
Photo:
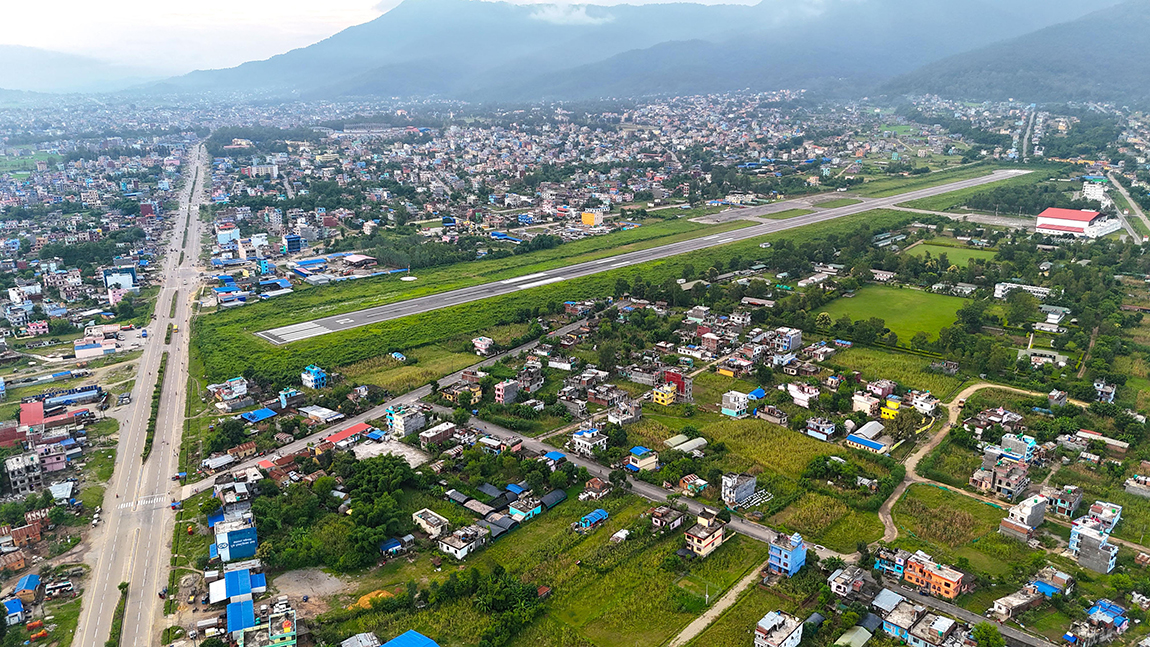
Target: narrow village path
[
  {"x": 698, "y": 625},
  {"x": 890, "y": 530}
]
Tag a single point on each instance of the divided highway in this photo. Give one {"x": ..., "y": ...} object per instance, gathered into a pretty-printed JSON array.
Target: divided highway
[
  {"x": 335, "y": 323},
  {"x": 132, "y": 543}
]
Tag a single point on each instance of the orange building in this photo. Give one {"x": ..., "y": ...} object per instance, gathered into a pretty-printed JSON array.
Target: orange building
[{"x": 939, "y": 580}]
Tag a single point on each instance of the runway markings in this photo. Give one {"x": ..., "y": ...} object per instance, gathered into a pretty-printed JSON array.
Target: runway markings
[
  {"x": 621, "y": 264},
  {"x": 602, "y": 260},
  {"x": 711, "y": 237},
  {"x": 520, "y": 279},
  {"x": 343, "y": 322},
  {"x": 536, "y": 284},
  {"x": 726, "y": 240}
]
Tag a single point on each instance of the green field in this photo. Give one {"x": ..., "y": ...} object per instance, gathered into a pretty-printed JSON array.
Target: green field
[
  {"x": 959, "y": 256},
  {"x": 955, "y": 199},
  {"x": 904, "y": 368},
  {"x": 8, "y": 164},
  {"x": 905, "y": 311},
  {"x": 225, "y": 345},
  {"x": 888, "y": 186},
  {"x": 603, "y": 593}
]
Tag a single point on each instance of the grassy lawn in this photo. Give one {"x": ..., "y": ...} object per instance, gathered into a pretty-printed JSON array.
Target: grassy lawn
[
  {"x": 709, "y": 387},
  {"x": 889, "y": 186},
  {"x": 904, "y": 368},
  {"x": 431, "y": 362},
  {"x": 959, "y": 256},
  {"x": 905, "y": 311},
  {"x": 28, "y": 163},
  {"x": 92, "y": 496},
  {"x": 839, "y": 202},
  {"x": 789, "y": 213},
  {"x": 955, "y": 199},
  {"x": 100, "y": 463}
]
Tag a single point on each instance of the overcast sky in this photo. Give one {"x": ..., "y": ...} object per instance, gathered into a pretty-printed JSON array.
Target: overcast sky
[{"x": 190, "y": 34}]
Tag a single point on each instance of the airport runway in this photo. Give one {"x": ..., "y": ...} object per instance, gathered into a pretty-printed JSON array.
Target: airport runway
[{"x": 377, "y": 314}]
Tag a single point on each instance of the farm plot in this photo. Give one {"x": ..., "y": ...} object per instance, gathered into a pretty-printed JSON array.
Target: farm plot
[{"x": 904, "y": 368}]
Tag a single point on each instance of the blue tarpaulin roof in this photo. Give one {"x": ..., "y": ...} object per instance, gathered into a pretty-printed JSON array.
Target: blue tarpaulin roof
[
  {"x": 28, "y": 582},
  {"x": 595, "y": 516},
  {"x": 514, "y": 487},
  {"x": 757, "y": 394},
  {"x": 258, "y": 415},
  {"x": 390, "y": 545},
  {"x": 215, "y": 518},
  {"x": 241, "y": 615},
  {"x": 411, "y": 638}
]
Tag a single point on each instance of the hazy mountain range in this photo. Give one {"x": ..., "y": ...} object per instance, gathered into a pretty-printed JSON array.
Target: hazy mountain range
[
  {"x": 498, "y": 51},
  {"x": 40, "y": 70}
]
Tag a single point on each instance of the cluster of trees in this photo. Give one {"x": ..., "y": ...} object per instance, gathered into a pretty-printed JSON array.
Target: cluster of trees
[
  {"x": 1028, "y": 199},
  {"x": 960, "y": 127},
  {"x": 88, "y": 254}
]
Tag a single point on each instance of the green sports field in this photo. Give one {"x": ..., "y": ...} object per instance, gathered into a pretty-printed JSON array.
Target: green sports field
[
  {"x": 905, "y": 311},
  {"x": 959, "y": 256}
]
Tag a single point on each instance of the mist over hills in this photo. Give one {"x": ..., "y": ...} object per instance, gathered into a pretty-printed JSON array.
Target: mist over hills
[
  {"x": 496, "y": 51},
  {"x": 41, "y": 70},
  {"x": 1103, "y": 56}
]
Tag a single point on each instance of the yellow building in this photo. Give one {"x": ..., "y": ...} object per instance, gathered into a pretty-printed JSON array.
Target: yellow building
[
  {"x": 664, "y": 395},
  {"x": 890, "y": 408},
  {"x": 592, "y": 219}
]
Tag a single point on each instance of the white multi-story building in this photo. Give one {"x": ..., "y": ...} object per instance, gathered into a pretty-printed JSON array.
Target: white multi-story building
[
  {"x": 778, "y": 629},
  {"x": 1003, "y": 289}
]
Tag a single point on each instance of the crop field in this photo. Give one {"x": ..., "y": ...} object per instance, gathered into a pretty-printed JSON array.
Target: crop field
[
  {"x": 781, "y": 450},
  {"x": 905, "y": 311},
  {"x": 8, "y": 164},
  {"x": 943, "y": 517},
  {"x": 959, "y": 256},
  {"x": 904, "y": 368},
  {"x": 828, "y": 521},
  {"x": 604, "y": 593},
  {"x": 225, "y": 345}
]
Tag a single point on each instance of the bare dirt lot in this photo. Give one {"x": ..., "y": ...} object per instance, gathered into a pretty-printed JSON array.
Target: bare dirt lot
[{"x": 313, "y": 583}]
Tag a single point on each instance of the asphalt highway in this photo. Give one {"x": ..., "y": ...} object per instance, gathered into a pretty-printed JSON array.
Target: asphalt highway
[
  {"x": 335, "y": 323},
  {"x": 133, "y": 541}
]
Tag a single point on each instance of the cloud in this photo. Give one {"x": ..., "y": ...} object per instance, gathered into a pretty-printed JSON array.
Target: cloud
[{"x": 569, "y": 15}]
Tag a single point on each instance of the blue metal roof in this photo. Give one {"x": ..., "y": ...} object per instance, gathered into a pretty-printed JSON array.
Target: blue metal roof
[
  {"x": 215, "y": 518},
  {"x": 390, "y": 544},
  {"x": 639, "y": 450},
  {"x": 13, "y": 606},
  {"x": 259, "y": 581},
  {"x": 238, "y": 583},
  {"x": 258, "y": 415},
  {"x": 241, "y": 615},
  {"x": 864, "y": 442},
  {"x": 555, "y": 456},
  {"x": 411, "y": 638}
]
